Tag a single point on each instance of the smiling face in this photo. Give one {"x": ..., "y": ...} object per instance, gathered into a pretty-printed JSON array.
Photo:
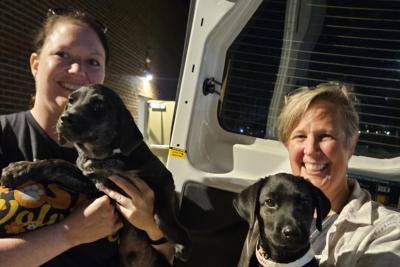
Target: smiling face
[
  {"x": 72, "y": 55},
  {"x": 318, "y": 149}
]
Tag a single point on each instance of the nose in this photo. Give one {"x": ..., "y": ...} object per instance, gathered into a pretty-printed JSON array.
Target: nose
[
  {"x": 68, "y": 119},
  {"x": 290, "y": 232},
  {"x": 78, "y": 70},
  {"x": 311, "y": 146},
  {"x": 76, "y": 67}
]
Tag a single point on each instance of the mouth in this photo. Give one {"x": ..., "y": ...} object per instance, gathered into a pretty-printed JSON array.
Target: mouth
[
  {"x": 292, "y": 244},
  {"x": 314, "y": 167},
  {"x": 70, "y": 87}
]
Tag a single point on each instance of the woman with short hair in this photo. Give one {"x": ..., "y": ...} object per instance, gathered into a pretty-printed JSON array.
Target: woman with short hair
[{"x": 319, "y": 128}]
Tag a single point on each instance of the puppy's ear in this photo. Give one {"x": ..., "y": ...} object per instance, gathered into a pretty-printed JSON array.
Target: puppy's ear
[
  {"x": 246, "y": 201},
  {"x": 321, "y": 204},
  {"x": 130, "y": 134},
  {"x": 61, "y": 139}
]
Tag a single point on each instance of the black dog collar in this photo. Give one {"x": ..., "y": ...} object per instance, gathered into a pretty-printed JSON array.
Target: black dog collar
[
  {"x": 264, "y": 260},
  {"x": 160, "y": 241}
]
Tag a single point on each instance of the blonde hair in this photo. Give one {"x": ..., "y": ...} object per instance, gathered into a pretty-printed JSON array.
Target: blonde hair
[{"x": 300, "y": 100}]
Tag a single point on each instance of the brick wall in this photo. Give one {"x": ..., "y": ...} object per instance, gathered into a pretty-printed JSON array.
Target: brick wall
[{"x": 134, "y": 27}]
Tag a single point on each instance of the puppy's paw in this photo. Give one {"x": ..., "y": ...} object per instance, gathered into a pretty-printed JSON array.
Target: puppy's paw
[{"x": 12, "y": 175}]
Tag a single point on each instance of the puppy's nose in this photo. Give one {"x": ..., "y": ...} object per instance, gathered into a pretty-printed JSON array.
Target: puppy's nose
[
  {"x": 289, "y": 232},
  {"x": 68, "y": 118}
]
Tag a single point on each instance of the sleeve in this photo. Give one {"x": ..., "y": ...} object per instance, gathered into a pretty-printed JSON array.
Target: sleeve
[
  {"x": 2, "y": 160},
  {"x": 384, "y": 249}
]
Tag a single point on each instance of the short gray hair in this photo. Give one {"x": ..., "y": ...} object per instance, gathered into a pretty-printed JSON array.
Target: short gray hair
[{"x": 300, "y": 100}]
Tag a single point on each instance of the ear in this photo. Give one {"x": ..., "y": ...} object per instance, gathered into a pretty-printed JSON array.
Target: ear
[
  {"x": 130, "y": 134},
  {"x": 352, "y": 147},
  {"x": 321, "y": 204},
  {"x": 245, "y": 202},
  {"x": 61, "y": 139},
  {"x": 34, "y": 63}
]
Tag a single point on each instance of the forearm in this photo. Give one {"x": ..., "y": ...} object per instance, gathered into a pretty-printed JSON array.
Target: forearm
[
  {"x": 34, "y": 248},
  {"x": 166, "y": 249}
]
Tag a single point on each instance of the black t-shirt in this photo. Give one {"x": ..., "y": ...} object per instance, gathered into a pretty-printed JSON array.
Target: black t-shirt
[{"x": 21, "y": 138}]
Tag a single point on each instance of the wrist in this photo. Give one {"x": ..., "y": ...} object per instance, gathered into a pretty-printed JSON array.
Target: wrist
[
  {"x": 155, "y": 233},
  {"x": 67, "y": 234},
  {"x": 63, "y": 233},
  {"x": 159, "y": 242}
]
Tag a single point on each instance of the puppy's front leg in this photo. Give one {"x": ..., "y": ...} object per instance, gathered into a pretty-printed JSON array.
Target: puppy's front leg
[
  {"x": 15, "y": 174},
  {"x": 53, "y": 170}
]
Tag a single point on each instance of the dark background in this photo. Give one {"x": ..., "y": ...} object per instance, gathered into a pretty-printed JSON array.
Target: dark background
[{"x": 136, "y": 29}]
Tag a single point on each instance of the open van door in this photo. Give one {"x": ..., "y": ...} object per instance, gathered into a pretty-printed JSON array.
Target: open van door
[{"x": 242, "y": 58}]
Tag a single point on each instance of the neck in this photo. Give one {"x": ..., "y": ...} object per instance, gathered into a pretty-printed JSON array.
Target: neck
[
  {"x": 47, "y": 120},
  {"x": 339, "y": 198}
]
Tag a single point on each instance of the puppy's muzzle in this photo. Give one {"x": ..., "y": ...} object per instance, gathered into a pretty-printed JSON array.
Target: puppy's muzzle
[
  {"x": 291, "y": 233},
  {"x": 68, "y": 119}
]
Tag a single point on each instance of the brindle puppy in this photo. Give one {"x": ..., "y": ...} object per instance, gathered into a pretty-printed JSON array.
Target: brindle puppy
[
  {"x": 280, "y": 210},
  {"x": 108, "y": 141}
]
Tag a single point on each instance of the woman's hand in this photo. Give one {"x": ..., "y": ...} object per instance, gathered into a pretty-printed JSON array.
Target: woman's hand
[
  {"x": 138, "y": 204},
  {"x": 92, "y": 221},
  {"x": 138, "y": 208}
]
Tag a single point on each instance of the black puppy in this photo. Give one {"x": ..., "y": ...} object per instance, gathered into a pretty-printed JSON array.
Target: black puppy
[
  {"x": 108, "y": 141},
  {"x": 280, "y": 210}
]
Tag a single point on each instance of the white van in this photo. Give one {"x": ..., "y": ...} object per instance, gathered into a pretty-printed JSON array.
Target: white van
[{"x": 242, "y": 57}]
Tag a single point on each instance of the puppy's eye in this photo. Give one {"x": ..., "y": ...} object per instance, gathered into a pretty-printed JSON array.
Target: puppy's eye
[
  {"x": 270, "y": 203},
  {"x": 70, "y": 100}
]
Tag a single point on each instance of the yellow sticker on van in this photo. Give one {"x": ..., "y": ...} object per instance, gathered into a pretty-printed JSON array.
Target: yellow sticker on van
[{"x": 177, "y": 153}]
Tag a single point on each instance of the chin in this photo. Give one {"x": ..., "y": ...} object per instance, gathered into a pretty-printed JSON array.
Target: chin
[
  {"x": 318, "y": 180},
  {"x": 61, "y": 101}
]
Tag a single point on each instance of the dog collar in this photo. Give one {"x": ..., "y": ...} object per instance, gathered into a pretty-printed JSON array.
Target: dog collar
[{"x": 262, "y": 258}]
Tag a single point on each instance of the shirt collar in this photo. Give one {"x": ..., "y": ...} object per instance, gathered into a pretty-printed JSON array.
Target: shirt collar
[{"x": 359, "y": 209}]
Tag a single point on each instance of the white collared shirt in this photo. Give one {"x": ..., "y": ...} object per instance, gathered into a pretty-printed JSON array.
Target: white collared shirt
[{"x": 365, "y": 234}]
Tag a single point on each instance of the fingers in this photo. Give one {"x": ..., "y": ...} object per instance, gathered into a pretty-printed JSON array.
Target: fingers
[
  {"x": 119, "y": 198},
  {"x": 108, "y": 212},
  {"x": 92, "y": 221},
  {"x": 135, "y": 189},
  {"x": 130, "y": 182},
  {"x": 130, "y": 188}
]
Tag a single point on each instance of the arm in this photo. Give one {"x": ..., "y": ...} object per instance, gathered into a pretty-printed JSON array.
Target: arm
[
  {"x": 41, "y": 246},
  {"x": 364, "y": 244},
  {"x": 384, "y": 248},
  {"x": 138, "y": 209},
  {"x": 86, "y": 224}
]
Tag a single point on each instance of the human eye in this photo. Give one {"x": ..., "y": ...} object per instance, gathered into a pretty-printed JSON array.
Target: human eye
[
  {"x": 326, "y": 137},
  {"x": 298, "y": 136},
  {"x": 94, "y": 62},
  {"x": 62, "y": 54}
]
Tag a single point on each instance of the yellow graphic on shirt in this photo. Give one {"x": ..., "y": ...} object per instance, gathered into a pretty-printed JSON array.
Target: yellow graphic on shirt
[{"x": 34, "y": 205}]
